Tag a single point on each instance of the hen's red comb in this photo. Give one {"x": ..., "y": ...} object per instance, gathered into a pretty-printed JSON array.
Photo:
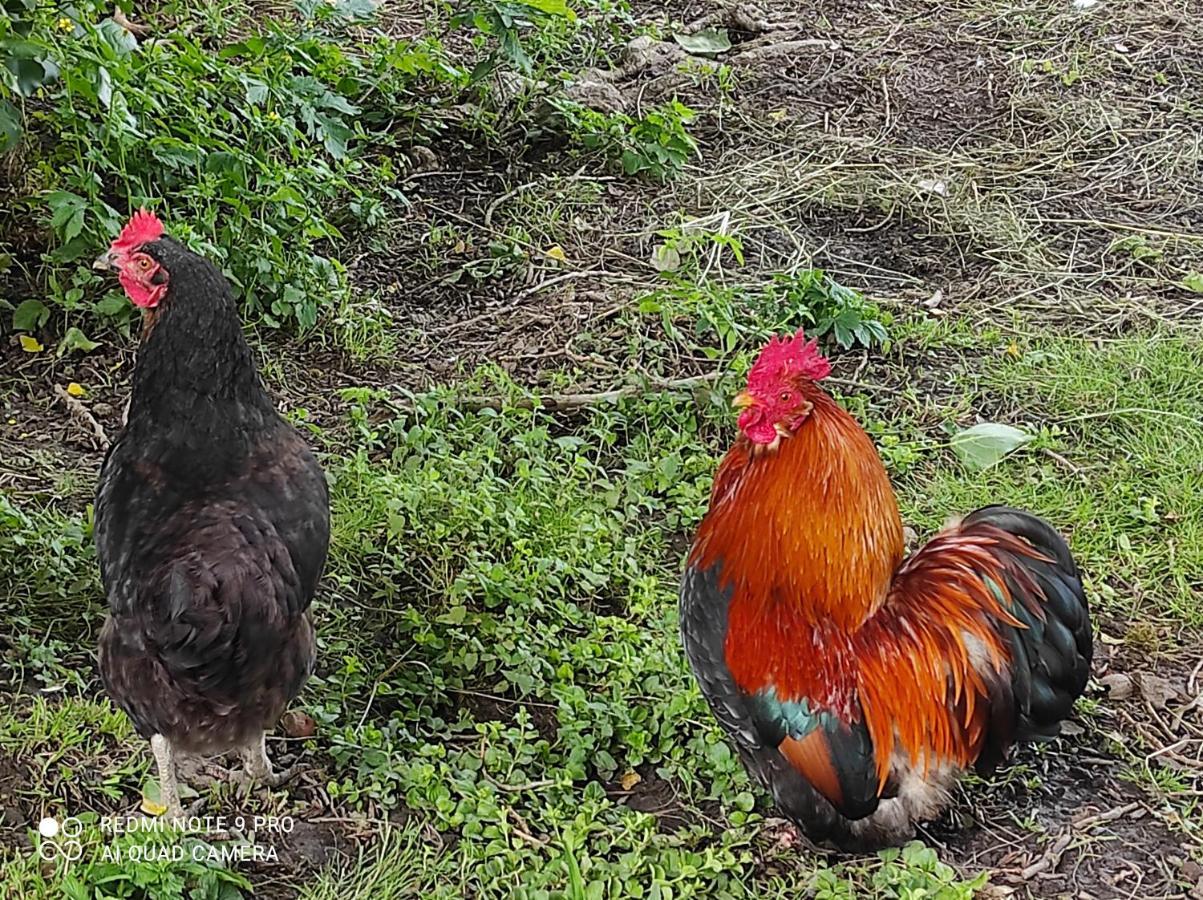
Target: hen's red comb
[
  {"x": 787, "y": 357},
  {"x": 143, "y": 227}
]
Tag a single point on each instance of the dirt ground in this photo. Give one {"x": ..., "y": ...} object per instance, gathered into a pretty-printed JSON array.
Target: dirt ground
[{"x": 994, "y": 162}]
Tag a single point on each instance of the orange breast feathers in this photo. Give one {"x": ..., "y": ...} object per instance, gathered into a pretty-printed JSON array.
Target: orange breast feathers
[{"x": 808, "y": 537}]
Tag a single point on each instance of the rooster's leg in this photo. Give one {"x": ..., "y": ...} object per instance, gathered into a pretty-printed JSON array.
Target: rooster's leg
[
  {"x": 259, "y": 767},
  {"x": 169, "y": 793}
]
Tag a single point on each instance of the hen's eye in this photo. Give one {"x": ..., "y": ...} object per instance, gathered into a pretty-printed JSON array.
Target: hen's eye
[
  {"x": 785, "y": 397},
  {"x": 143, "y": 263}
]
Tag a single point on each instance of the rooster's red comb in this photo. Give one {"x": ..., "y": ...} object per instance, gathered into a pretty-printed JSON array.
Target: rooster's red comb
[
  {"x": 788, "y": 357},
  {"x": 143, "y": 227}
]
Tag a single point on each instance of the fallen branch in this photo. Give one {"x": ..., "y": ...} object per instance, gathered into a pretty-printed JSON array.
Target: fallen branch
[
  {"x": 133, "y": 28},
  {"x": 522, "y": 829},
  {"x": 566, "y": 402},
  {"x": 576, "y": 401},
  {"x": 1062, "y": 461},
  {"x": 83, "y": 418},
  {"x": 763, "y": 52}
]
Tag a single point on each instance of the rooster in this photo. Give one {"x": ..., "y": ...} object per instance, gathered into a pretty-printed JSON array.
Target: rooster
[
  {"x": 858, "y": 685},
  {"x": 212, "y": 525}
]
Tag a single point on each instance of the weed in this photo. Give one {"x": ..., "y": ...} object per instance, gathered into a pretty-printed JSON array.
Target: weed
[
  {"x": 268, "y": 159},
  {"x": 504, "y": 21},
  {"x": 657, "y": 145},
  {"x": 830, "y": 308},
  {"x": 913, "y": 871},
  {"x": 726, "y": 318},
  {"x": 24, "y": 65}
]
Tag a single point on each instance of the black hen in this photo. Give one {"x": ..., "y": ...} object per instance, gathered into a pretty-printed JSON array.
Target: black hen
[{"x": 212, "y": 524}]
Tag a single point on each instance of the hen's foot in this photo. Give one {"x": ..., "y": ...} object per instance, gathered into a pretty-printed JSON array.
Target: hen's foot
[{"x": 259, "y": 768}]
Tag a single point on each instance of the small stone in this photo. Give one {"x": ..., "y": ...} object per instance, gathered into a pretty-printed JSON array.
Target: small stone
[
  {"x": 596, "y": 95},
  {"x": 1118, "y": 685},
  {"x": 1157, "y": 690},
  {"x": 297, "y": 724}
]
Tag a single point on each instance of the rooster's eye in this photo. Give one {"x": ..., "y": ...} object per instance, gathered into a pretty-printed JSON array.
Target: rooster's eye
[
  {"x": 785, "y": 397},
  {"x": 143, "y": 263}
]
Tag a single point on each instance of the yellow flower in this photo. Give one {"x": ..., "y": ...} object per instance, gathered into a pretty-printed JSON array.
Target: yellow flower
[
  {"x": 273, "y": 116},
  {"x": 64, "y": 24}
]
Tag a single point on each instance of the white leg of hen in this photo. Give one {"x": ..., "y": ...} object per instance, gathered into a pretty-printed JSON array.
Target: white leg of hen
[
  {"x": 169, "y": 793},
  {"x": 254, "y": 758}
]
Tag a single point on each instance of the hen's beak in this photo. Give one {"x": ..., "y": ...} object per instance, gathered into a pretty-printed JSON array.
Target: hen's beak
[
  {"x": 106, "y": 262},
  {"x": 743, "y": 400}
]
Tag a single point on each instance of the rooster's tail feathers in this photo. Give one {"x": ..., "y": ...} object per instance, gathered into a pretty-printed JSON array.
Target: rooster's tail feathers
[{"x": 1051, "y": 653}]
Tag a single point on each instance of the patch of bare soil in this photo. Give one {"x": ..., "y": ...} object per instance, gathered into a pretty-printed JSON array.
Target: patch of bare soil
[
  {"x": 1099, "y": 812},
  {"x": 645, "y": 791},
  {"x": 1066, "y": 823},
  {"x": 14, "y": 821}
]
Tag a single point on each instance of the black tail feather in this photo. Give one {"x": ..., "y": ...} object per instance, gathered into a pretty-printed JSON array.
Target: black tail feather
[{"x": 1050, "y": 656}]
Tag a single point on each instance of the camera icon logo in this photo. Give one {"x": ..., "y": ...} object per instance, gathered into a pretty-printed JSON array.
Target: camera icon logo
[{"x": 60, "y": 839}]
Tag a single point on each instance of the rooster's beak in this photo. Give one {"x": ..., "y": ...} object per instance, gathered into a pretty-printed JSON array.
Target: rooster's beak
[
  {"x": 743, "y": 400},
  {"x": 106, "y": 262}
]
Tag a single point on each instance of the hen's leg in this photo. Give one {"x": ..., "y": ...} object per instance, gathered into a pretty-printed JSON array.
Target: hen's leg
[
  {"x": 259, "y": 767},
  {"x": 169, "y": 793}
]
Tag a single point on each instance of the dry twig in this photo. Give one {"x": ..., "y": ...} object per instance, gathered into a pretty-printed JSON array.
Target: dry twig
[
  {"x": 1052, "y": 856},
  {"x": 83, "y": 418}
]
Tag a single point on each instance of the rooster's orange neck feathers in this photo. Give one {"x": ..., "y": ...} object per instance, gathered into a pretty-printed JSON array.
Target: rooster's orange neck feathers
[{"x": 809, "y": 537}]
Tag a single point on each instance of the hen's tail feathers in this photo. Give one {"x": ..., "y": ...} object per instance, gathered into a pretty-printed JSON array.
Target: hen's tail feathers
[{"x": 1051, "y": 654}]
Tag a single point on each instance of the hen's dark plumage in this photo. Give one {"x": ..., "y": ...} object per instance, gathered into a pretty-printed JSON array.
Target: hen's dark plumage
[{"x": 212, "y": 524}]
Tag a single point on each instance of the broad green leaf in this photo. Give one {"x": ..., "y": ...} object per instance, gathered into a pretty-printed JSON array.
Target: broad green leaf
[
  {"x": 982, "y": 446},
  {"x": 10, "y": 126},
  {"x": 112, "y": 305},
  {"x": 256, "y": 91},
  {"x": 665, "y": 258},
  {"x": 1194, "y": 282},
  {"x": 632, "y": 162},
  {"x": 116, "y": 40},
  {"x": 29, "y": 315},
  {"x": 151, "y": 804},
  {"x": 707, "y": 42},
  {"x": 104, "y": 87},
  {"x": 29, "y": 73},
  {"x": 74, "y": 225}
]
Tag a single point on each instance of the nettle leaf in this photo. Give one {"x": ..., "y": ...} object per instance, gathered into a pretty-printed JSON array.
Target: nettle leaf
[
  {"x": 632, "y": 162},
  {"x": 984, "y": 445},
  {"x": 112, "y": 304},
  {"x": 707, "y": 42},
  {"x": 75, "y": 339},
  {"x": 30, "y": 315}
]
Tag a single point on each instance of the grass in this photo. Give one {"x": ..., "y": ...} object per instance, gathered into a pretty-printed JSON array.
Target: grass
[{"x": 427, "y": 235}]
